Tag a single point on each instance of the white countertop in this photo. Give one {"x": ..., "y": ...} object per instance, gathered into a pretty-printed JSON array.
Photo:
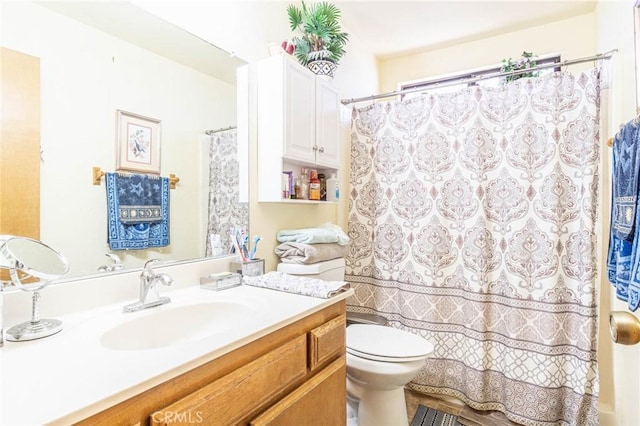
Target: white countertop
[{"x": 67, "y": 377}]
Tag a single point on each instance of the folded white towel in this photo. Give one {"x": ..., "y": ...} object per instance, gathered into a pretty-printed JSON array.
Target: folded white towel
[
  {"x": 326, "y": 233},
  {"x": 296, "y": 284}
]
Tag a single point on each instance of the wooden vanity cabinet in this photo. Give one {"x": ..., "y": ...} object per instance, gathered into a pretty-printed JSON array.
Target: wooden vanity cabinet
[{"x": 293, "y": 376}]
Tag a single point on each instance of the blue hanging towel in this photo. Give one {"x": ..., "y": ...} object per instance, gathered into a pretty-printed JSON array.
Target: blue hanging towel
[
  {"x": 623, "y": 269},
  {"x": 137, "y": 211},
  {"x": 626, "y": 166}
]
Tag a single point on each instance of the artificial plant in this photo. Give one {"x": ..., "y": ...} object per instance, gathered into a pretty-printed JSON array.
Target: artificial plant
[
  {"x": 526, "y": 61},
  {"x": 322, "y": 38}
]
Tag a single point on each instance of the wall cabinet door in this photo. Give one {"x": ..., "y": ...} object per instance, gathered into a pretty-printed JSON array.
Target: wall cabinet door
[
  {"x": 300, "y": 113},
  {"x": 327, "y": 138}
]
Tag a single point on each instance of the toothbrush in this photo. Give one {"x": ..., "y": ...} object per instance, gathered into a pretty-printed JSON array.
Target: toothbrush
[
  {"x": 256, "y": 240},
  {"x": 245, "y": 249},
  {"x": 236, "y": 246}
]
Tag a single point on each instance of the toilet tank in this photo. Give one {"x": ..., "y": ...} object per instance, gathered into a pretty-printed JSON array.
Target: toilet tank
[{"x": 329, "y": 270}]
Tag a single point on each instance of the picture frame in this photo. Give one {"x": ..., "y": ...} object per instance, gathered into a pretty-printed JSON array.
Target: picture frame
[{"x": 138, "y": 143}]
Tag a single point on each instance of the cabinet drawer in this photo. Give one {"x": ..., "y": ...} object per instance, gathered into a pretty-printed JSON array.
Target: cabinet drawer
[
  {"x": 327, "y": 342},
  {"x": 245, "y": 390},
  {"x": 318, "y": 402}
]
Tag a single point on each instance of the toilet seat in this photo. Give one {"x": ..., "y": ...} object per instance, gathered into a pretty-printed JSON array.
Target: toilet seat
[{"x": 386, "y": 344}]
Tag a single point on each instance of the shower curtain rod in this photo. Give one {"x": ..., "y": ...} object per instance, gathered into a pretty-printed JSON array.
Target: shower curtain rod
[
  {"x": 222, "y": 129},
  {"x": 599, "y": 56}
]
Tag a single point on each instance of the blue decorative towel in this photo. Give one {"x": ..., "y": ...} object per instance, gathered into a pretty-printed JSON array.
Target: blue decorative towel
[
  {"x": 135, "y": 233},
  {"x": 139, "y": 198},
  {"x": 623, "y": 260},
  {"x": 626, "y": 151}
]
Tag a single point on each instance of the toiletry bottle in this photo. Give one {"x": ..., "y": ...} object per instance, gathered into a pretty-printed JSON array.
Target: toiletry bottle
[
  {"x": 285, "y": 186},
  {"x": 297, "y": 190},
  {"x": 304, "y": 184},
  {"x": 333, "y": 188},
  {"x": 314, "y": 186},
  {"x": 323, "y": 187}
]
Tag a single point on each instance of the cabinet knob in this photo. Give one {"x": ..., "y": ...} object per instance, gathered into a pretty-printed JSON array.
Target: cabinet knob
[
  {"x": 321, "y": 149},
  {"x": 315, "y": 147}
]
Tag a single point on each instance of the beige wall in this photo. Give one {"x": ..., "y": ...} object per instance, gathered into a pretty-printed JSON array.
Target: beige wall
[
  {"x": 619, "y": 365},
  {"x": 572, "y": 38}
]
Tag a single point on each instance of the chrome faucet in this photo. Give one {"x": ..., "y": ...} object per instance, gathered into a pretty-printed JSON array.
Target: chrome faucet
[
  {"x": 115, "y": 266},
  {"x": 149, "y": 294}
]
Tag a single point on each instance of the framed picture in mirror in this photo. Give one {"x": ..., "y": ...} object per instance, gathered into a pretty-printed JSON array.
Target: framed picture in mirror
[{"x": 138, "y": 143}]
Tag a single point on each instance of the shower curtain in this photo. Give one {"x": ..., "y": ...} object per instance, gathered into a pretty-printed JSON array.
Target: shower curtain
[
  {"x": 472, "y": 222},
  {"x": 225, "y": 209}
]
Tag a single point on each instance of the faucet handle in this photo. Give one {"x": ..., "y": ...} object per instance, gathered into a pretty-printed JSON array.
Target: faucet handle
[
  {"x": 148, "y": 263},
  {"x": 116, "y": 266},
  {"x": 164, "y": 279}
]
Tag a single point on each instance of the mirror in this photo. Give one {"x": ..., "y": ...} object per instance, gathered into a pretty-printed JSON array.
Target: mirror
[
  {"x": 27, "y": 259},
  {"x": 33, "y": 258},
  {"x": 94, "y": 59}
]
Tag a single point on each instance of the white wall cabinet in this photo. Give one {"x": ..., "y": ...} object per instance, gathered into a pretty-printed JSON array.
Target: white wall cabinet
[{"x": 295, "y": 116}]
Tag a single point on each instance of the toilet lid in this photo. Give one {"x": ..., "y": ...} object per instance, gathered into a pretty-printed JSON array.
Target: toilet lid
[{"x": 380, "y": 343}]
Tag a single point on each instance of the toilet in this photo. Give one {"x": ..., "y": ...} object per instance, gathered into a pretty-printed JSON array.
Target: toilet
[{"x": 381, "y": 360}]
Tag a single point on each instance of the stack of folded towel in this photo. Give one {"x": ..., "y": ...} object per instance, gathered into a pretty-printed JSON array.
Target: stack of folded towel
[{"x": 311, "y": 245}]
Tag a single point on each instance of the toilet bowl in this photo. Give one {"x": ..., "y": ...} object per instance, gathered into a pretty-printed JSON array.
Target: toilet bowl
[{"x": 380, "y": 360}]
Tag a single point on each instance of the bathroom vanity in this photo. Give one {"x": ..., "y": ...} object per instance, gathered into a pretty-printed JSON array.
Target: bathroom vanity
[
  {"x": 244, "y": 355},
  {"x": 295, "y": 375}
]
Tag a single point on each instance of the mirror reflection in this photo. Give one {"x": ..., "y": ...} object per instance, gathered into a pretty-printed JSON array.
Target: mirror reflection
[{"x": 85, "y": 65}]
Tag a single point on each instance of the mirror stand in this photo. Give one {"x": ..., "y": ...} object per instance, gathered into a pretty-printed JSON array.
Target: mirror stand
[
  {"x": 32, "y": 259},
  {"x": 36, "y": 328}
]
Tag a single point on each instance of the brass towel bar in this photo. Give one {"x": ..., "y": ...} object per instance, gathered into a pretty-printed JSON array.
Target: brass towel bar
[{"x": 98, "y": 173}]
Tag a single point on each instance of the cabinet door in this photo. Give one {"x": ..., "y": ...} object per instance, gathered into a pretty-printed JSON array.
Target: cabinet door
[
  {"x": 327, "y": 125},
  {"x": 249, "y": 388},
  {"x": 320, "y": 401},
  {"x": 299, "y": 115}
]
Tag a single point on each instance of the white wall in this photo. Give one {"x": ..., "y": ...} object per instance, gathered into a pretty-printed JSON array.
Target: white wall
[{"x": 86, "y": 76}]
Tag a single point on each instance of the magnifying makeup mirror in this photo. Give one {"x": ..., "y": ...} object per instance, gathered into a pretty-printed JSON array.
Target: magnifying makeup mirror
[{"x": 32, "y": 266}]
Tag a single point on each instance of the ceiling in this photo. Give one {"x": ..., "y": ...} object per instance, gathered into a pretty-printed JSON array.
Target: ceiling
[
  {"x": 395, "y": 28},
  {"x": 387, "y": 28}
]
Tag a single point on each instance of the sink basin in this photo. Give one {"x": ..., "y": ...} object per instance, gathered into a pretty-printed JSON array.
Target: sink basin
[{"x": 169, "y": 326}]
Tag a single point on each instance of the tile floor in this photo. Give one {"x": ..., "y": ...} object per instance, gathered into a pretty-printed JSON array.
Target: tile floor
[{"x": 466, "y": 415}]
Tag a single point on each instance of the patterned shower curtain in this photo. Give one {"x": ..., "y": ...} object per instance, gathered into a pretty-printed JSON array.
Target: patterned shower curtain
[
  {"x": 225, "y": 209},
  {"x": 472, "y": 217}
]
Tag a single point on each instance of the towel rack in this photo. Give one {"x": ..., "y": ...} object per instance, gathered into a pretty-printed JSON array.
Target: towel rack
[{"x": 98, "y": 173}]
